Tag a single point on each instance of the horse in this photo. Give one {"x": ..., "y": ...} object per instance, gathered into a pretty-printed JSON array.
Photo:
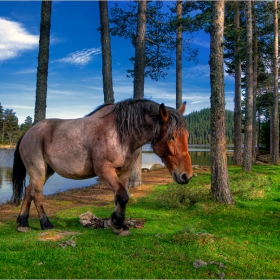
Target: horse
[{"x": 105, "y": 143}]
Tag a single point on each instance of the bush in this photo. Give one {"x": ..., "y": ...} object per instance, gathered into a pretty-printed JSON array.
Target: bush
[{"x": 177, "y": 195}]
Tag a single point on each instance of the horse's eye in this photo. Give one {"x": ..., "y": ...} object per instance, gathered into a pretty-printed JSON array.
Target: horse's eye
[{"x": 173, "y": 138}]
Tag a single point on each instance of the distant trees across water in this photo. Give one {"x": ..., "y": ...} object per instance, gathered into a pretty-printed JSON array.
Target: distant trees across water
[
  {"x": 197, "y": 122},
  {"x": 198, "y": 126}
]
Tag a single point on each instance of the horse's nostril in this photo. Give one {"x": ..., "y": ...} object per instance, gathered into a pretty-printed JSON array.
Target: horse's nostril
[{"x": 184, "y": 178}]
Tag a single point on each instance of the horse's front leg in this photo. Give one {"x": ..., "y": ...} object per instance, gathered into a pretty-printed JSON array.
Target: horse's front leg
[{"x": 116, "y": 221}]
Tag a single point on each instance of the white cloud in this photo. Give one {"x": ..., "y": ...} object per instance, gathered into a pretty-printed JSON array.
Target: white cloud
[
  {"x": 197, "y": 71},
  {"x": 201, "y": 42},
  {"x": 14, "y": 39},
  {"x": 27, "y": 71},
  {"x": 82, "y": 57}
]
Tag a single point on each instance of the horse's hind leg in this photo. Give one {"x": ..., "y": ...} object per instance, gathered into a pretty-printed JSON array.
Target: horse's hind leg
[
  {"x": 22, "y": 219},
  {"x": 37, "y": 195},
  {"x": 34, "y": 191}
]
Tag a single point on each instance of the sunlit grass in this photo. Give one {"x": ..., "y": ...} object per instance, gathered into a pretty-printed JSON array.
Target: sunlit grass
[{"x": 182, "y": 224}]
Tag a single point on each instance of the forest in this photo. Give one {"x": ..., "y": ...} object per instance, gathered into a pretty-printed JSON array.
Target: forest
[
  {"x": 197, "y": 123},
  {"x": 10, "y": 129},
  {"x": 198, "y": 126},
  {"x": 122, "y": 22},
  {"x": 243, "y": 43}
]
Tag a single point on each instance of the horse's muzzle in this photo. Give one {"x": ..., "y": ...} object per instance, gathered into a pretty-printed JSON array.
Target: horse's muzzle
[{"x": 182, "y": 178}]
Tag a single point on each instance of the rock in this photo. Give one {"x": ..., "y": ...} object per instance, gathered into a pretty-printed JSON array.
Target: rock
[
  {"x": 156, "y": 166},
  {"x": 221, "y": 275},
  {"x": 218, "y": 264},
  {"x": 196, "y": 167},
  {"x": 69, "y": 242},
  {"x": 85, "y": 223},
  {"x": 145, "y": 170},
  {"x": 87, "y": 216},
  {"x": 199, "y": 263}
]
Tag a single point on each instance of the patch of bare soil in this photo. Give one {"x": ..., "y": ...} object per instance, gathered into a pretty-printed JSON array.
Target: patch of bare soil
[
  {"x": 97, "y": 195},
  {"x": 54, "y": 235}
]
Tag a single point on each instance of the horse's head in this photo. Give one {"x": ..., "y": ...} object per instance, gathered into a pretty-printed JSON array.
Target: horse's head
[{"x": 172, "y": 144}]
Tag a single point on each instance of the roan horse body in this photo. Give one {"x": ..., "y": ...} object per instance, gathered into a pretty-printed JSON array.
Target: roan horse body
[{"x": 106, "y": 144}]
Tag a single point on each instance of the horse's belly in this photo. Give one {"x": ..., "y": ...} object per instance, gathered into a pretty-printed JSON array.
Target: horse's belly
[
  {"x": 75, "y": 174},
  {"x": 73, "y": 169}
]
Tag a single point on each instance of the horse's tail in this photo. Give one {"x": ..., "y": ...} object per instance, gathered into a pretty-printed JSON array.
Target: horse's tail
[{"x": 18, "y": 176}]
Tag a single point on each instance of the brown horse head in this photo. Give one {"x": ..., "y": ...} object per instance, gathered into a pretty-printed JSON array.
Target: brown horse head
[{"x": 172, "y": 145}]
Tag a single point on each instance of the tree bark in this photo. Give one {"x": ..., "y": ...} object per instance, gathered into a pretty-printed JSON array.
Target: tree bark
[
  {"x": 139, "y": 66},
  {"x": 248, "y": 129},
  {"x": 43, "y": 62},
  {"x": 139, "y": 76},
  {"x": 219, "y": 173},
  {"x": 274, "y": 144},
  {"x": 237, "y": 138},
  {"x": 179, "y": 56},
  {"x": 255, "y": 84},
  {"x": 106, "y": 53}
]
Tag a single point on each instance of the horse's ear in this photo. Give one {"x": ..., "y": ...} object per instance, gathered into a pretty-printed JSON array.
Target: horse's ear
[
  {"x": 163, "y": 113},
  {"x": 182, "y": 108}
]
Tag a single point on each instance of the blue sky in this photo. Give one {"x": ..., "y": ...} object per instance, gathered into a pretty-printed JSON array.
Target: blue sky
[{"x": 75, "y": 67}]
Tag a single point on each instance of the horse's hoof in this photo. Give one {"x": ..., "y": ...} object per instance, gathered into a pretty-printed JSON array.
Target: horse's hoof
[
  {"x": 48, "y": 226},
  {"x": 45, "y": 223},
  {"x": 121, "y": 231},
  {"x": 23, "y": 229},
  {"x": 107, "y": 223},
  {"x": 124, "y": 233}
]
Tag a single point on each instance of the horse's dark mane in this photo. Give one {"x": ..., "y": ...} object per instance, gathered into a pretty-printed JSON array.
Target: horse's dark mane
[
  {"x": 130, "y": 118},
  {"x": 98, "y": 108}
]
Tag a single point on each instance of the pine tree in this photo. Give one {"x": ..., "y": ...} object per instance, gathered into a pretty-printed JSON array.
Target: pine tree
[
  {"x": 274, "y": 145},
  {"x": 106, "y": 53},
  {"x": 248, "y": 129},
  {"x": 43, "y": 62},
  {"x": 219, "y": 173}
]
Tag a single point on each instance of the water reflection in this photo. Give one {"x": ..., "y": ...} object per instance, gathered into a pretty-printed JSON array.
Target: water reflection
[{"x": 5, "y": 175}]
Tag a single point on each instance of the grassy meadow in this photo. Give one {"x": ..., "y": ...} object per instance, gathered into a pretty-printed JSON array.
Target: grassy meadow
[{"x": 186, "y": 235}]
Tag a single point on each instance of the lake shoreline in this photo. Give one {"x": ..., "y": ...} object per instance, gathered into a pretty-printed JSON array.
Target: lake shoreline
[{"x": 97, "y": 194}]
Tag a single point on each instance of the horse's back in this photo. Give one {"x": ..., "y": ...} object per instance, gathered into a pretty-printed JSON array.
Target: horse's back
[
  {"x": 59, "y": 144},
  {"x": 70, "y": 147}
]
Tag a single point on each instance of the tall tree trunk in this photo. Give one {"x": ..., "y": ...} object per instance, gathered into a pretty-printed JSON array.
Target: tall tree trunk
[
  {"x": 139, "y": 76},
  {"x": 247, "y": 154},
  {"x": 139, "y": 66},
  {"x": 3, "y": 130},
  {"x": 255, "y": 84},
  {"x": 43, "y": 62},
  {"x": 219, "y": 173},
  {"x": 179, "y": 56},
  {"x": 237, "y": 137},
  {"x": 106, "y": 53},
  {"x": 274, "y": 144}
]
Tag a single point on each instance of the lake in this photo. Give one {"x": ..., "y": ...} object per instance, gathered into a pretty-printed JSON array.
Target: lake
[{"x": 200, "y": 155}]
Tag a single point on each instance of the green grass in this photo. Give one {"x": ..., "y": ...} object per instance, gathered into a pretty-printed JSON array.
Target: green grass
[{"x": 182, "y": 225}]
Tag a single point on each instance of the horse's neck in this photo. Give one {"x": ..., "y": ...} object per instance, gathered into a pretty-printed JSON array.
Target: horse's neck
[{"x": 146, "y": 136}]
